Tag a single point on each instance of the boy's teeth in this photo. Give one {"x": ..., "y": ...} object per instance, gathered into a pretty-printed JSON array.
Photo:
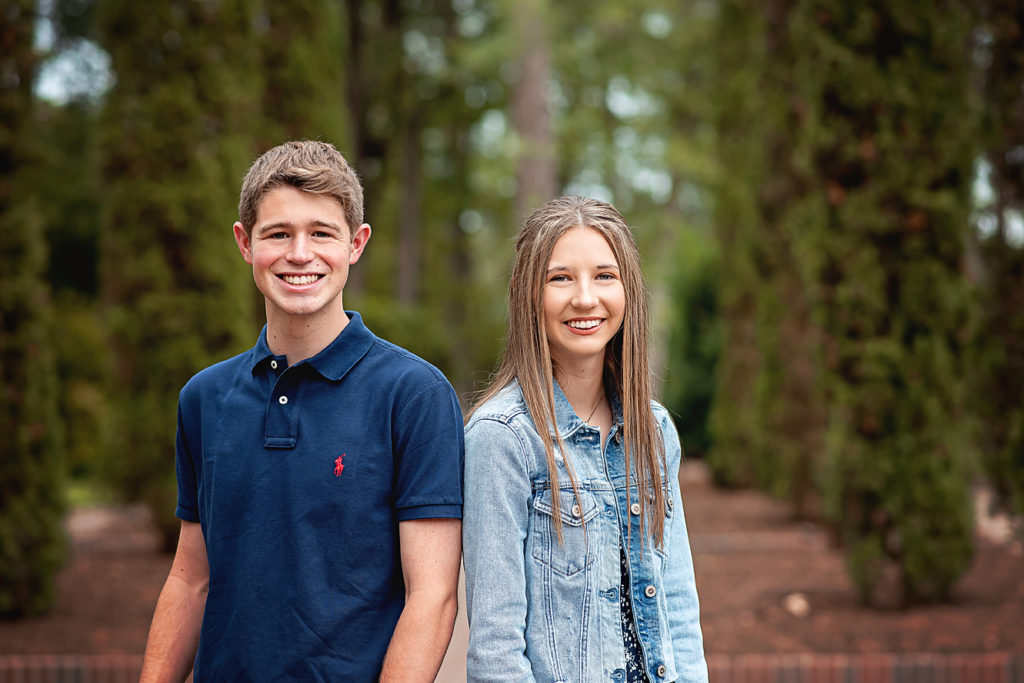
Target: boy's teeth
[
  {"x": 300, "y": 279},
  {"x": 584, "y": 324}
]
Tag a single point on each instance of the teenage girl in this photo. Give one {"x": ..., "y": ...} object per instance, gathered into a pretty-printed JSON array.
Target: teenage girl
[{"x": 578, "y": 566}]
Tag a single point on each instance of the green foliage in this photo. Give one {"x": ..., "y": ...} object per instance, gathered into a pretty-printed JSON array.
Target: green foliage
[
  {"x": 998, "y": 350},
  {"x": 176, "y": 293},
  {"x": 893, "y": 301},
  {"x": 31, "y": 496},
  {"x": 841, "y": 381},
  {"x": 817, "y": 348},
  {"x": 694, "y": 342}
]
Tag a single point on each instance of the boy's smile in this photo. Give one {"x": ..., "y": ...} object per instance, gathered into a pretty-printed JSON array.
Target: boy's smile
[{"x": 300, "y": 250}]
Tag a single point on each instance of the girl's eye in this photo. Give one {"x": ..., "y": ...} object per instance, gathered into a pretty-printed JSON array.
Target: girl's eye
[
  {"x": 558, "y": 278},
  {"x": 606, "y": 276}
]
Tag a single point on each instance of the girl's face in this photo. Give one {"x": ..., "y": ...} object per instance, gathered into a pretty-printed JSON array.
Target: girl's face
[{"x": 584, "y": 300}]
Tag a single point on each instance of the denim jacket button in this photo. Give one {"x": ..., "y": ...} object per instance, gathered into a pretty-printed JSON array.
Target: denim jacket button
[
  {"x": 650, "y": 591},
  {"x": 661, "y": 671},
  {"x": 618, "y": 674},
  {"x": 575, "y": 510},
  {"x": 635, "y": 508}
]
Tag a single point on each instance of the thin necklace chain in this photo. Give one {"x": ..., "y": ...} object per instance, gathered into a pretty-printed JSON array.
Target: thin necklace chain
[{"x": 596, "y": 406}]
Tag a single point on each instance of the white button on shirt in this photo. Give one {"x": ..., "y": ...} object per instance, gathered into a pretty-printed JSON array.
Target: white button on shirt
[{"x": 282, "y": 400}]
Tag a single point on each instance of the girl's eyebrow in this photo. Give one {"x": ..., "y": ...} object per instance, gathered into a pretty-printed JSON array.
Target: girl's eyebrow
[{"x": 602, "y": 266}]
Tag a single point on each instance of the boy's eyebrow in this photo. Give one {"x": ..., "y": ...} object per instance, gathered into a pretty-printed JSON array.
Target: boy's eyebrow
[{"x": 288, "y": 224}]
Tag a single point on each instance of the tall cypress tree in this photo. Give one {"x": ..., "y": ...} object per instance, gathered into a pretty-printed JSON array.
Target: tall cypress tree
[
  {"x": 848, "y": 131},
  {"x": 893, "y": 153},
  {"x": 999, "y": 368},
  {"x": 177, "y": 133},
  {"x": 751, "y": 52},
  {"x": 31, "y": 494}
]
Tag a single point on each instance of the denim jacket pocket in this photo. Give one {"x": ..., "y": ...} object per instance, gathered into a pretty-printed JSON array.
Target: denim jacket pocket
[{"x": 573, "y": 554}]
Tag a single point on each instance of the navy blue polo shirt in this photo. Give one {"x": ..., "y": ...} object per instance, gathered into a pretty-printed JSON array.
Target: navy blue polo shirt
[{"x": 299, "y": 476}]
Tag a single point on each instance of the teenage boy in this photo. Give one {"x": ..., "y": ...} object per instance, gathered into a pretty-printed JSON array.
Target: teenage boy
[{"x": 319, "y": 473}]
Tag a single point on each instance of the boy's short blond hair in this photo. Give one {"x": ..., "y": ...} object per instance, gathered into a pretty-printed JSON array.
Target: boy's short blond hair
[{"x": 309, "y": 165}]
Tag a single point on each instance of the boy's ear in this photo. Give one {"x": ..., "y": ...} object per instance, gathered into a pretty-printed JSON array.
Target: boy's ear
[
  {"x": 243, "y": 241},
  {"x": 359, "y": 239}
]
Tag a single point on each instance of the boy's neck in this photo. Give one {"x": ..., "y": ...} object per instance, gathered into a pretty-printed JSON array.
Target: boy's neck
[{"x": 301, "y": 337}]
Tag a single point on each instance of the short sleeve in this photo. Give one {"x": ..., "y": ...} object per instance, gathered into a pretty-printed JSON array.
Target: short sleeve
[
  {"x": 185, "y": 467},
  {"x": 429, "y": 454}
]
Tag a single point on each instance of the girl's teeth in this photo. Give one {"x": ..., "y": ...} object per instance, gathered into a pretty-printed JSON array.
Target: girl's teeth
[{"x": 584, "y": 324}]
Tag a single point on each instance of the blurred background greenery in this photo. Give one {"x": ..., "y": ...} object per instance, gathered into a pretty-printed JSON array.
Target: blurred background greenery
[{"x": 828, "y": 195}]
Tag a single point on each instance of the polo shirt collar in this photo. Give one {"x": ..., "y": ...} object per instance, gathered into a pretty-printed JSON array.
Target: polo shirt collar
[
  {"x": 336, "y": 359},
  {"x": 345, "y": 351}
]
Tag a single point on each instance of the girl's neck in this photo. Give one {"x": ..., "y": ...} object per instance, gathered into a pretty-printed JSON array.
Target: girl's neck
[{"x": 584, "y": 389}]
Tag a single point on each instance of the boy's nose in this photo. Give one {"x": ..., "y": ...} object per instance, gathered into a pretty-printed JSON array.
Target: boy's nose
[{"x": 300, "y": 251}]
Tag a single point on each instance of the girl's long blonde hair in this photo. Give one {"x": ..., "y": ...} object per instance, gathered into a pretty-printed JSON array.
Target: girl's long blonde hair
[{"x": 527, "y": 357}]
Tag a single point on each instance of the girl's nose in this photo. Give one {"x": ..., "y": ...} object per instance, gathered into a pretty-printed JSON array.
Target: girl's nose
[{"x": 584, "y": 296}]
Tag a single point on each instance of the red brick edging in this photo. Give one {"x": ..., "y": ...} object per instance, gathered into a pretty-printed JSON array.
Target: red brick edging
[
  {"x": 996, "y": 667},
  {"x": 70, "y": 668}
]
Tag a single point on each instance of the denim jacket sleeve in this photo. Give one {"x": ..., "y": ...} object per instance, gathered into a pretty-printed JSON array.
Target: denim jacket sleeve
[
  {"x": 680, "y": 585},
  {"x": 494, "y": 529}
]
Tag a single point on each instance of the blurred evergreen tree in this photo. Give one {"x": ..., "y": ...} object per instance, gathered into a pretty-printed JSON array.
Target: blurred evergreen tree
[
  {"x": 68, "y": 176},
  {"x": 737, "y": 457},
  {"x": 848, "y": 134},
  {"x": 301, "y": 80},
  {"x": 998, "y": 369},
  {"x": 894, "y": 134},
  {"x": 32, "y": 541},
  {"x": 177, "y": 135},
  {"x": 694, "y": 343},
  {"x": 420, "y": 77}
]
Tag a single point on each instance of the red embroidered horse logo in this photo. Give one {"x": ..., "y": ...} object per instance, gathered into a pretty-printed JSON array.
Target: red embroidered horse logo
[{"x": 339, "y": 466}]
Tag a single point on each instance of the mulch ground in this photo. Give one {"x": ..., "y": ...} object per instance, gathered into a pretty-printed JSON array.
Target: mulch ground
[{"x": 768, "y": 585}]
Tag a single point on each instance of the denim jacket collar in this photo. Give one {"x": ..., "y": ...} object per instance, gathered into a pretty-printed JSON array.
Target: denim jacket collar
[{"x": 569, "y": 422}]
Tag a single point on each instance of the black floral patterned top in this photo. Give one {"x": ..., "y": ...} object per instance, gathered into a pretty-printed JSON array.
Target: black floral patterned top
[{"x": 634, "y": 655}]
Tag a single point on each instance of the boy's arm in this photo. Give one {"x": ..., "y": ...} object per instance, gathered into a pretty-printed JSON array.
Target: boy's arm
[
  {"x": 174, "y": 634},
  {"x": 430, "y": 564}
]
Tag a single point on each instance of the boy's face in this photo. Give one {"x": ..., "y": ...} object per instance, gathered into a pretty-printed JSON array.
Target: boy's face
[{"x": 300, "y": 250}]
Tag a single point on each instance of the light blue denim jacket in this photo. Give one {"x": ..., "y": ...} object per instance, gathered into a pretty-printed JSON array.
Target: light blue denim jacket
[{"x": 544, "y": 611}]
